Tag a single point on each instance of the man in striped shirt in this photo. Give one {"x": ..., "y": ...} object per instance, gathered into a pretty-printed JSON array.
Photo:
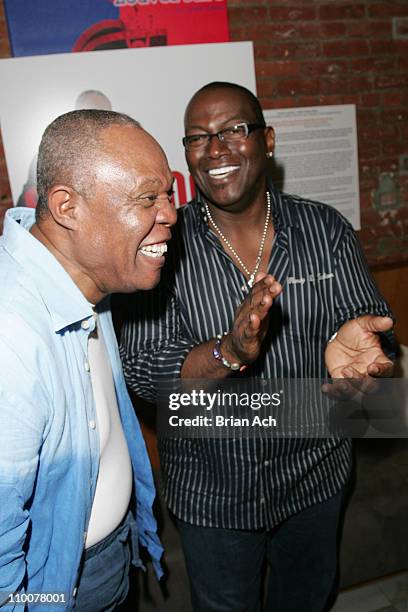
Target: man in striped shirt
[{"x": 281, "y": 275}]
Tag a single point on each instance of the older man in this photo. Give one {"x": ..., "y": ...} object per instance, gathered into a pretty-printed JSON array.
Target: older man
[
  {"x": 260, "y": 282},
  {"x": 72, "y": 458}
]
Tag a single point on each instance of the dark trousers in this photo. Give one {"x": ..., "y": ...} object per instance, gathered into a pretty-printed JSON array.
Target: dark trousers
[
  {"x": 225, "y": 565},
  {"x": 104, "y": 579}
]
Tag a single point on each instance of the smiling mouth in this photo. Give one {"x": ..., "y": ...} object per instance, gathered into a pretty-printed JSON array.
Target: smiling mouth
[
  {"x": 220, "y": 173},
  {"x": 154, "y": 250}
]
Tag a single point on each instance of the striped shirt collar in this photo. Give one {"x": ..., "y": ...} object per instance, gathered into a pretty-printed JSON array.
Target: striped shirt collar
[{"x": 284, "y": 215}]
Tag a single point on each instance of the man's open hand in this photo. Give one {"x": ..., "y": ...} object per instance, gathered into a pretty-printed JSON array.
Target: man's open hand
[
  {"x": 356, "y": 351},
  {"x": 251, "y": 321}
]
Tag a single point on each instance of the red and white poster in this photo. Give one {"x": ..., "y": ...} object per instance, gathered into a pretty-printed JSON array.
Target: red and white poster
[{"x": 41, "y": 27}]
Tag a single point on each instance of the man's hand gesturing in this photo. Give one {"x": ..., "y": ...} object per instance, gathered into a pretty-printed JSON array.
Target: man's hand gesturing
[{"x": 243, "y": 343}]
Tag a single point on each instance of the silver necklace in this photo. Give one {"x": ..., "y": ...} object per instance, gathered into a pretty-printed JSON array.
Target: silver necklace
[{"x": 252, "y": 274}]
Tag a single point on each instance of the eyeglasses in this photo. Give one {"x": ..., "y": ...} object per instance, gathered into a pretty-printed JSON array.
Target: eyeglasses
[{"x": 230, "y": 135}]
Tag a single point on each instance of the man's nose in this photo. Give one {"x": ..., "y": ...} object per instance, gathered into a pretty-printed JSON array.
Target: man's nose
[
  {"x": 216, "y": 146},
  {"x": 167, "y": 213}
]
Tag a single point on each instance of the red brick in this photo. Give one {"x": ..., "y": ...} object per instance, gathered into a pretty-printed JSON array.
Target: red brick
[
  {"x": 336, "y": 85},
  {"x": 265, "y": 88},
  {"x": 388, "y": 164},
  {"x": 403, "y": 63},
  {"x": 5, "y": 191},
  {"x": 245, "y": 3},
  {"x": 345, "y": 48},
  {"x": 365, "y": 203},
  {"x": 331, "y": 99},
  {"x": 241, "y": 15},
  {"x": 379, "y": 133},
  {"x": 309, "y": 30},
  {"x": 394, "y": 98},
  {"x": 308, "y": 101},
  {"x": 391, "y": 81},
  {"x": 289, "y": 13},
  {"x": 325, "y": 67},
  {"x": 286, "y": 51},
  {"x": 4, "y": 48},
  {"x": 369, "y": 28},
  {"x": 301, "y": 50},
  {"x": 389, "y": 9},
  {"x": 393, "y": 148},
  {"x": 237, "y": 33},
  {"x": 370, "y": 151},
  {"x": 294, "y": 87},
  {"x": 342, "y": 11},
  {"x": 394, "y": 117},
  {"x": 369, "y": 99},
  {"x": 333, "y": 28},
  {"x": 281, "y": 103},
  {"x": 289, "y": 68},
  {"x": 381, "y": 47},
  {"x": 372, "y": 65},
  {"x": 291, "y": 3},
  {"x": 400, "y": 28},
  {"x": 272, "y": 31}
]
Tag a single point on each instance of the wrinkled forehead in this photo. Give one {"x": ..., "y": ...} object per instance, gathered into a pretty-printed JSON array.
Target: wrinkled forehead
[{"x": 131, "y": 150}]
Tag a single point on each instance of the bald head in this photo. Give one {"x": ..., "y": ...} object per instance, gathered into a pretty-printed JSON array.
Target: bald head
[
  {"x": 68, "y": 150},
  {"x": 220, "y": 86}
]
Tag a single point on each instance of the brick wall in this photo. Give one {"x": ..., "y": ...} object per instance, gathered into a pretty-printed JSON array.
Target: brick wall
[{"x": 332, "y": 52}]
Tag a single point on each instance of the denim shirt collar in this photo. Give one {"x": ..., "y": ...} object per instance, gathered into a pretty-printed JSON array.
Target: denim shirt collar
[{"x": 63, "y": 299}]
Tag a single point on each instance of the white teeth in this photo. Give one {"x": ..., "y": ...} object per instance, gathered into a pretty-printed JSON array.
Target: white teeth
[
  {"x": 154, "y": 250},
  {"x": 221, "y": 172}
]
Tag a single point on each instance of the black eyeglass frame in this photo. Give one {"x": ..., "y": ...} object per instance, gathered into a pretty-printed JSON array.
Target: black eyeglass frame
[{"x": 249, "y": 128}]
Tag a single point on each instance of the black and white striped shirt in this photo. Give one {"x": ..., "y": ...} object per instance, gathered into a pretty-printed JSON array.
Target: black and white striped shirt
[{"x": 238, "y": 483}]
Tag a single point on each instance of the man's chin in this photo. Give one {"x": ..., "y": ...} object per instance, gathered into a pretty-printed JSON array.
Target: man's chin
[{"x": 148, "y": 282}]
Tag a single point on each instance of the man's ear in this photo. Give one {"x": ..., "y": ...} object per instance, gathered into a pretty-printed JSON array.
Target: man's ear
[
  {"x": 269, "y": 138},
  {"x": 63, "y": 204}
]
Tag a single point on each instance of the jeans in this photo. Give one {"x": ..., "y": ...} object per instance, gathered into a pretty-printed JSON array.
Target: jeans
[
  {"x": 104, "y": 578},
  {"x": 225, "y": 566}
]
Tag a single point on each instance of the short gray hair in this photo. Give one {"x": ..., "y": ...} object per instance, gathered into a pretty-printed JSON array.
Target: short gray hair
[{"x": 68, "y": 148}]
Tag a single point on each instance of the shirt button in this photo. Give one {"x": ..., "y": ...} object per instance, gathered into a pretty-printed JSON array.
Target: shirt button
[
  {"x": 87, "y": 366},
  {"x": 85, "y": 324},
  {"x": 266, "y": 463},
  {"x": 92, "y": 424},
  {"x": 262, "y": 500}
]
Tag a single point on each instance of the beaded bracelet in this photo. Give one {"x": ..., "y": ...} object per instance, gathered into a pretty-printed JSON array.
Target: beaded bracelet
[{"x": 234, "y": 366}]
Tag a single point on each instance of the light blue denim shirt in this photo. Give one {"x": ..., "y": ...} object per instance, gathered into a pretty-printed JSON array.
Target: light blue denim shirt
[{"x": 49, "y": 441}]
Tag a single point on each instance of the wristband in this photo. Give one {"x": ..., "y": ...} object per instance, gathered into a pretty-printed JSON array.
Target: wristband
[
  {"x": 332, "y": 338},
  {"x": 234, "y": 366}
]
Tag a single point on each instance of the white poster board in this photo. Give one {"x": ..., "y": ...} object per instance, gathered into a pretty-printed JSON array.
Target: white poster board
[
  {"x": 316, "y": 155},
  {"x": 152, "y": 85}
]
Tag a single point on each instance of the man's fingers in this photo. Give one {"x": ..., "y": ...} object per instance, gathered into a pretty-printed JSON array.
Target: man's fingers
[
  {"x": 251, "y": 329},
  {"x": 264, "y": 292},
  {"x": 381, "y": 370},
  {"x": 260, "y": 276},
  {"x": 375, "y": 324}
]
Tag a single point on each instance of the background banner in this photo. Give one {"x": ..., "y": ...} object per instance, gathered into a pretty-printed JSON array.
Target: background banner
[
  {"x": 151, "y": 85},
  {"x": 46, "y": 26}
]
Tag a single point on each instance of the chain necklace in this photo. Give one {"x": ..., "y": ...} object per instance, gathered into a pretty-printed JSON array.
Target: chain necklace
[{"x": 233, "y": 251}]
